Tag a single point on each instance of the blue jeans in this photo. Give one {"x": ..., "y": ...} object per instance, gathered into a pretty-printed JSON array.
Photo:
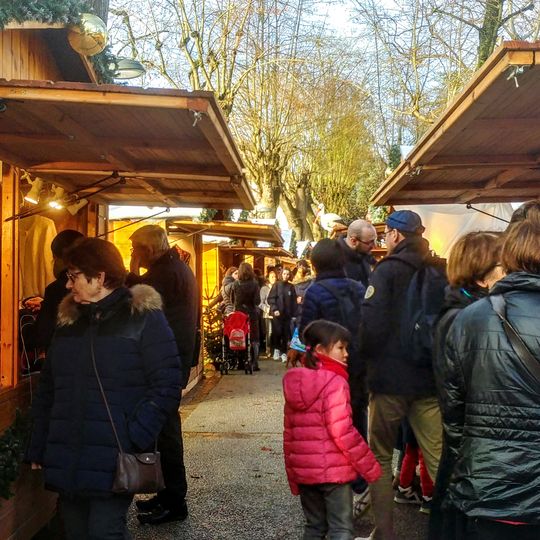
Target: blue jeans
[
  {"x": 328, "y": 511},
  {"x": 94, "y": 518}
]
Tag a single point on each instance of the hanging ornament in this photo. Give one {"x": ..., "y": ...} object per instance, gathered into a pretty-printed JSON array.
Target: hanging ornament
[{"x": 89, "y": 37}]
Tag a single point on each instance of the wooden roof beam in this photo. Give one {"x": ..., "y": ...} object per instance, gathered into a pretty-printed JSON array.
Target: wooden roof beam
[
  {"x": 154, "y": 191},
  {"x": 99, "y": 169},
  {"x": 109, "y": 142},
  {"x": 491, "y": 185},
  {"x": 473, "y": 161}
]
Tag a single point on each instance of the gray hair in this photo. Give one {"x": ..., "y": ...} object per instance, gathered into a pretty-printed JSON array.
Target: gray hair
[{"x": 153, "y": 237}]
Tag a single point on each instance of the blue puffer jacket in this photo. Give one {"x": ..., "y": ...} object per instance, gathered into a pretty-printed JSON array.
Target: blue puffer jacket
[
  {"x": 137, "y": 360},
  {"x": 320, "y": 303}
]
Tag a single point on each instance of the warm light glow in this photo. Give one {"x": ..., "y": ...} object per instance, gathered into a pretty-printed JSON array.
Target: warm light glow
[
  {"x": 33, "y": 195},
  {"x": 57, "y": 200}
]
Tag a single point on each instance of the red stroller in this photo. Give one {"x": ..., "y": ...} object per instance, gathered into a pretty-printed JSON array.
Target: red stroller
[{"x": 236, "y": 343}]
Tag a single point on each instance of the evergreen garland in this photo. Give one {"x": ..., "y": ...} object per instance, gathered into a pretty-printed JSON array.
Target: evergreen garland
[
  {"x": 12, "y": 446},
  {"x": 47, "y": 11}
]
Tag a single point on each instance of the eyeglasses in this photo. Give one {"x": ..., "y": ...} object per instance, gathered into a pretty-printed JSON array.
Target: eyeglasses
[
  {"x": 386, "y": 233},
  {"x": 72, "y": 276},
  {"x": 368, "y": 242}
]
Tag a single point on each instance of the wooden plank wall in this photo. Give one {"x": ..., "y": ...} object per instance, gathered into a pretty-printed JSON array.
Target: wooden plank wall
[{"x": 24, "y": 55}]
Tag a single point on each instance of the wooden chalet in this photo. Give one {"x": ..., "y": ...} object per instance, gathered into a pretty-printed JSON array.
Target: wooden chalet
[
  {"x": 101, "y": 144},
  {"x": 217, "y": 257},
  {"x": 486, "y": 146}
]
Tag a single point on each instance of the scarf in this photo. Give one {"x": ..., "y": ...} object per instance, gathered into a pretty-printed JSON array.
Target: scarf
[{"x": 325, "y": 362}]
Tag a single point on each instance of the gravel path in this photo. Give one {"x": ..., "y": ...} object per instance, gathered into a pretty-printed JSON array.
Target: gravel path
[{"x": 233, "y": 454}]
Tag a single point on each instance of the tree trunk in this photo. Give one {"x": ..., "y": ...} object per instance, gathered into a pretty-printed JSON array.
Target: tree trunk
[
  {"x": 100, "y": 8},
  {"x": 487, "y": 36}
]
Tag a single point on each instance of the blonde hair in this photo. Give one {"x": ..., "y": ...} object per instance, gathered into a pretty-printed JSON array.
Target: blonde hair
[{"x": 472, "y": 257}]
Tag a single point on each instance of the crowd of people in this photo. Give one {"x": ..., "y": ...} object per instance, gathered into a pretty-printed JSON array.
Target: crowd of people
[
  {"x": 466, "y": 412},
  {"x": 464, "y": 408}
]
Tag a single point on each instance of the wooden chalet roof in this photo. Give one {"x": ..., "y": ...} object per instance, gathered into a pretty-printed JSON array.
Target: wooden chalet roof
[
  {"x": 486, "y": 146},
  {"x": 259, "y": 251},
  {"x": 231, "y": 229},
  {"x": 172, "y": 147}
]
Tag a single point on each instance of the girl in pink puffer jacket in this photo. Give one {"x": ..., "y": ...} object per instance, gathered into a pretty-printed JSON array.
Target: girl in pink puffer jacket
[{"x": 323, "y": 451}]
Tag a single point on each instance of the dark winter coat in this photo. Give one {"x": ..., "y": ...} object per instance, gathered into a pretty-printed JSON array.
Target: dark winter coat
[
  {"x": 282, "y": 298},
  {"x": 491, "y": 406},
  {"x": 320, "y": 303},
  {"x": 358, "y": 265},
  {"x": 246, "y": 296},
  {"x": 455, "y": 300},
  {"x": 174, "y": 281},
  {"x": 388, "y": 371},
  {"x": 300, "y": 287},
  {"x": 40, "y": 333},
  {"x": 138, "y": 364}
]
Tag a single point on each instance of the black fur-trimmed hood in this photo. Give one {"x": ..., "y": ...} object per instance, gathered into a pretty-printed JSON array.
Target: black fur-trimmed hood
[{"x": 143, "y": 298}]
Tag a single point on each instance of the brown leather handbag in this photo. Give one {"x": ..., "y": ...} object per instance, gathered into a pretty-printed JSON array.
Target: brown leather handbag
[{"x": 135, "y": 473}]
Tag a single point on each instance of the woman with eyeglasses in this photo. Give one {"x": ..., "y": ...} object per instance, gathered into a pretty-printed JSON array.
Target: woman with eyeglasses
[
  {"x": 490, "y": 400},
  {"x": 120, "y": 335}
]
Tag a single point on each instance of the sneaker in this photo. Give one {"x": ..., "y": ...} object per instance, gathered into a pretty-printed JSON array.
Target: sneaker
[
  {"x": 361, "y": 502},
  {"x": 283, "y": 358},
  {"x": 407, "y": 496},
  {"x": 276, "y": 354},
  {"x": 425, "y": 507}
]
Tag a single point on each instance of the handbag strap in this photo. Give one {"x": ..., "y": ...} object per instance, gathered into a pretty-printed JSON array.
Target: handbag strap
[
  {"x": 529, "y": 360},
  {"x": 103, "y": 392}
]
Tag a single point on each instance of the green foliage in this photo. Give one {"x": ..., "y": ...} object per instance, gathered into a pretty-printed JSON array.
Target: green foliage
[
  {"x": 243, "y": 217},
  {"x": 12, "y": 445},
  {"x": 104, "y": 65},
  {"x": 212, "y": 321},
  {"x": 394, "y": 156},
  {"x": 207, "y": 214},
  {"x": 52, "y": 11},
  {"x": 378, "y": 214}
]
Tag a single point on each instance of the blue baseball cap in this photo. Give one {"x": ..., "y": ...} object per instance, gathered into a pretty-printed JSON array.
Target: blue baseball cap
[{"x": 405, "y": 221}]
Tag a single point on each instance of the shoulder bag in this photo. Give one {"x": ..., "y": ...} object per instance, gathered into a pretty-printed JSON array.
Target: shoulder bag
[
  {"x": 527, "y": 358},
  {"x": 135, "y": 473}
]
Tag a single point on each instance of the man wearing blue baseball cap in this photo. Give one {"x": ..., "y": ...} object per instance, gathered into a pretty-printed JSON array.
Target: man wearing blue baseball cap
[{"x": 398, "y": 388}]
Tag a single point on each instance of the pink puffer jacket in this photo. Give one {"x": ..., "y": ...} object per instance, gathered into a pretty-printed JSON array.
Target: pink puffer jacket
[{"x": 320, "y": 443}]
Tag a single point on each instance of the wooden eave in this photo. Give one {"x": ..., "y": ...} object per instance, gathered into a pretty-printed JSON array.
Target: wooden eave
[
  {"x": 486, "y": 146},
  {"x": 73, "y": 66},
  {"x": 169, "y": 147},
  {"x": 231, "y": 229},
  {"x": 259, "y": 251}
]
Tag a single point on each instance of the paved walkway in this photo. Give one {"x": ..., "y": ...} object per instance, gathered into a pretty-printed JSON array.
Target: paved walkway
[{"x": 233, "y": 453}]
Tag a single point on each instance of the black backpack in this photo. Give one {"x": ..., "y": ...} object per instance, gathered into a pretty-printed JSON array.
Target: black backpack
[
  {"x": 349, "y": 303},
  {"x": 425, "y": 297}
]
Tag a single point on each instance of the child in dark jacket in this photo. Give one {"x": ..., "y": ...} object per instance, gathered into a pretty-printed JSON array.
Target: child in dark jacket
[{"x": 322, "y": 449}]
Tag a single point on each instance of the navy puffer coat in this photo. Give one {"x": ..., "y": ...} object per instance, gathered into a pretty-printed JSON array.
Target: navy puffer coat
[
  {"x": 320, "y": 303},
  {"x": 139, "y": 367},
  {"x": 491, "y": 404}
]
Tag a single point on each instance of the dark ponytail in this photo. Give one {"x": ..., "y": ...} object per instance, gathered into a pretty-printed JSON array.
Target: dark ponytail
[{"x": 325, "y": 333}]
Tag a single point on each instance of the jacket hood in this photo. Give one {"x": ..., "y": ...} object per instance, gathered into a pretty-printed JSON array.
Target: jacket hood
[
  {"x": 143, "y": 298},
  {"x": 517, "y": 281},
  {"x": 303, "y": 386},
  {"x": 227, "y": 280},
  {"x": 459, "y": 297}
]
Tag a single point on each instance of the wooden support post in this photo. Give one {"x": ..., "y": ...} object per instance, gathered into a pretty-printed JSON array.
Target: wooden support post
[{"x": 9, "y": 289}]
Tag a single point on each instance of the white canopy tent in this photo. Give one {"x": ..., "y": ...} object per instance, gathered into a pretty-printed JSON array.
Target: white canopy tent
[{"x": 445, "y": 223}]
